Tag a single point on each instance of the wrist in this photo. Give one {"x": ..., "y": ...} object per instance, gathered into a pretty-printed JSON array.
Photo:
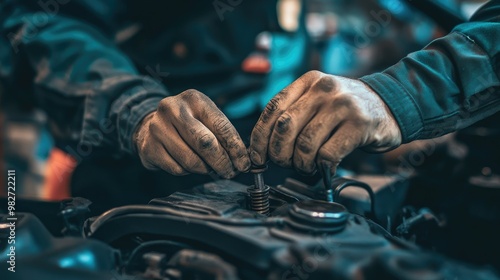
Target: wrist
[
  {"x": 141, "y": 131},
  {"x": 386, "y": 120},
  {"x": 400, "y": 102}
]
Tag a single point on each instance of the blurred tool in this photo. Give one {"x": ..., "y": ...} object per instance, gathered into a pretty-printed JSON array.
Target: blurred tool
[
  {"x": 259, "y": 193},
  {"x": 326, "y": 173}
]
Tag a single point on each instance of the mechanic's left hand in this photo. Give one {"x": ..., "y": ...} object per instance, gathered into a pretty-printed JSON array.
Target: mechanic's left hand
[
  {"x": 322, "y": 118},
  {"x": 189, "y": 134}
]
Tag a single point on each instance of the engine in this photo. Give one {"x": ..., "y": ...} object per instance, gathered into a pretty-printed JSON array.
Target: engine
[{"x": 211, "y": 232}]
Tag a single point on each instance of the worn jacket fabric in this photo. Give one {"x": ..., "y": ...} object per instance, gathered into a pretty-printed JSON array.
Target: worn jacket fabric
[
  {"x": 98, "y": 67},
  {"x": 450, "y": 84},
  {"x": 97, "y": 79}
]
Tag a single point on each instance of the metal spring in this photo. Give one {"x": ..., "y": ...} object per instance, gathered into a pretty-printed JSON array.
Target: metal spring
[{"x": 259, "y": 199}]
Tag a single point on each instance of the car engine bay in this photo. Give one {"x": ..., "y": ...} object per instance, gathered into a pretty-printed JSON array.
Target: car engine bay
[{"x": 211, "y": 232}]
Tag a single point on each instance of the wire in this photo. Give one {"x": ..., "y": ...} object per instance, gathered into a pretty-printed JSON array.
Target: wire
[
  {"x": 352, "y": 183},
  {"x": 149, "y": 209}
]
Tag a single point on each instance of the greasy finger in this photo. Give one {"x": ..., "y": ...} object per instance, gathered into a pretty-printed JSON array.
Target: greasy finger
[
  {"x": 205, "y": 144},
  {"x": 344, "y": 140},
  {"x": 227, "y": 136},
  {"x": 311, "y": 138},
  {"x": 157, "y": 157},
  {"x": 180, "y": 151},
  {"x": 261, "y": 133},
  {"x": 287, "y": 128}
]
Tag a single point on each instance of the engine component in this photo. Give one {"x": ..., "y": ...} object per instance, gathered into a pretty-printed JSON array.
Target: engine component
[
  {"x": 74, "y": 212},
  {"x": 259, "y": 193},
  {"x": 36, "y": 254},
  {"x": 210, "y": 232},
  {"x": 323, "y": 216},
  {"x": 301, "y": 238},
  {"x": 326, "y": 174},
  {"x": 357, "y": 192}
]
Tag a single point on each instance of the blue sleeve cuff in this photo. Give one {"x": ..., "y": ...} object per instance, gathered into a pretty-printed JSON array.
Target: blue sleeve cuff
[{"x": 137, "y": 114}]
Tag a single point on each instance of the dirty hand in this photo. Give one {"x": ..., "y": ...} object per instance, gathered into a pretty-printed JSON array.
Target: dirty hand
[
  {"x": 321, "y": 118},
  {"x": 189, "y": 134}
]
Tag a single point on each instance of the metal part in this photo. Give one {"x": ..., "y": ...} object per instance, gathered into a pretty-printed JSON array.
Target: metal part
[
  {"x": 319, "y": 211},
  {"x": 259, "y": 193},
  {"x": 318, "y": 215},
  {"x": 169, "y": 239},
  {"x": 259, "y": 199},
  {"x": 74, "y": 212},
  {"x": 326, "y": 173}
]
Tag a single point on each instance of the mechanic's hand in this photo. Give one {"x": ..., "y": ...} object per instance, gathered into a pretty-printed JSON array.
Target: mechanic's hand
[
  {"x": 189, "y": 134},
  {"x": 322, "y": 118}
]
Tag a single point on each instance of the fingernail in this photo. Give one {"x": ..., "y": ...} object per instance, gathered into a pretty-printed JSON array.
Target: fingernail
[
  {"x": 246, "y": 165},
  {"x": 255, "y": 157}
]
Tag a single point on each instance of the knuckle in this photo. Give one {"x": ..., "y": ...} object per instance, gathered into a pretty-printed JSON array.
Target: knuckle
[
  {"x": 165, "y": 105},
  {"x": 205, "y": 141},
  {"x": 276, "y": 146},
  {"x": 304, "y": 143},
  {"x": 191, "y": 94},
  {"x": 273, "y": 105},
  {"x": 223, "y": 126},
  {"x": 313, "y": 74},
  {"x": 274, "y": 153},
  {"x": 154, "y": 128},
  {"x": 324, "y": 84},
  {"x": 283, "y": 123},
  {"x": 345, "y": 100}
]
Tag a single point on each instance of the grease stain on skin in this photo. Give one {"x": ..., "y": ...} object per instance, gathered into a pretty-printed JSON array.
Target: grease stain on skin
[
  {"x": 325, "y": 84},
  {"x": 283, "y": 124},
  {"x": 306, "y": 149}
]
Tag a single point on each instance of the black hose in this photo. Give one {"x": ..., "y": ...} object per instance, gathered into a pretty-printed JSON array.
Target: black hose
[
  {"x": 344, "y": 183},
  {"x": 148, "y": 209}
]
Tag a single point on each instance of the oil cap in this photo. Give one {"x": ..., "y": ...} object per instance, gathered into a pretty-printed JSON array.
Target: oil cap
[{"x": 308, "y": 214}]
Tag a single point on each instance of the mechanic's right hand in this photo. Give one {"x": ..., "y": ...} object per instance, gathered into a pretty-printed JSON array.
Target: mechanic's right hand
[
  {"x": 189, "y": 134},
  {"x": 319, "y": 119}
]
